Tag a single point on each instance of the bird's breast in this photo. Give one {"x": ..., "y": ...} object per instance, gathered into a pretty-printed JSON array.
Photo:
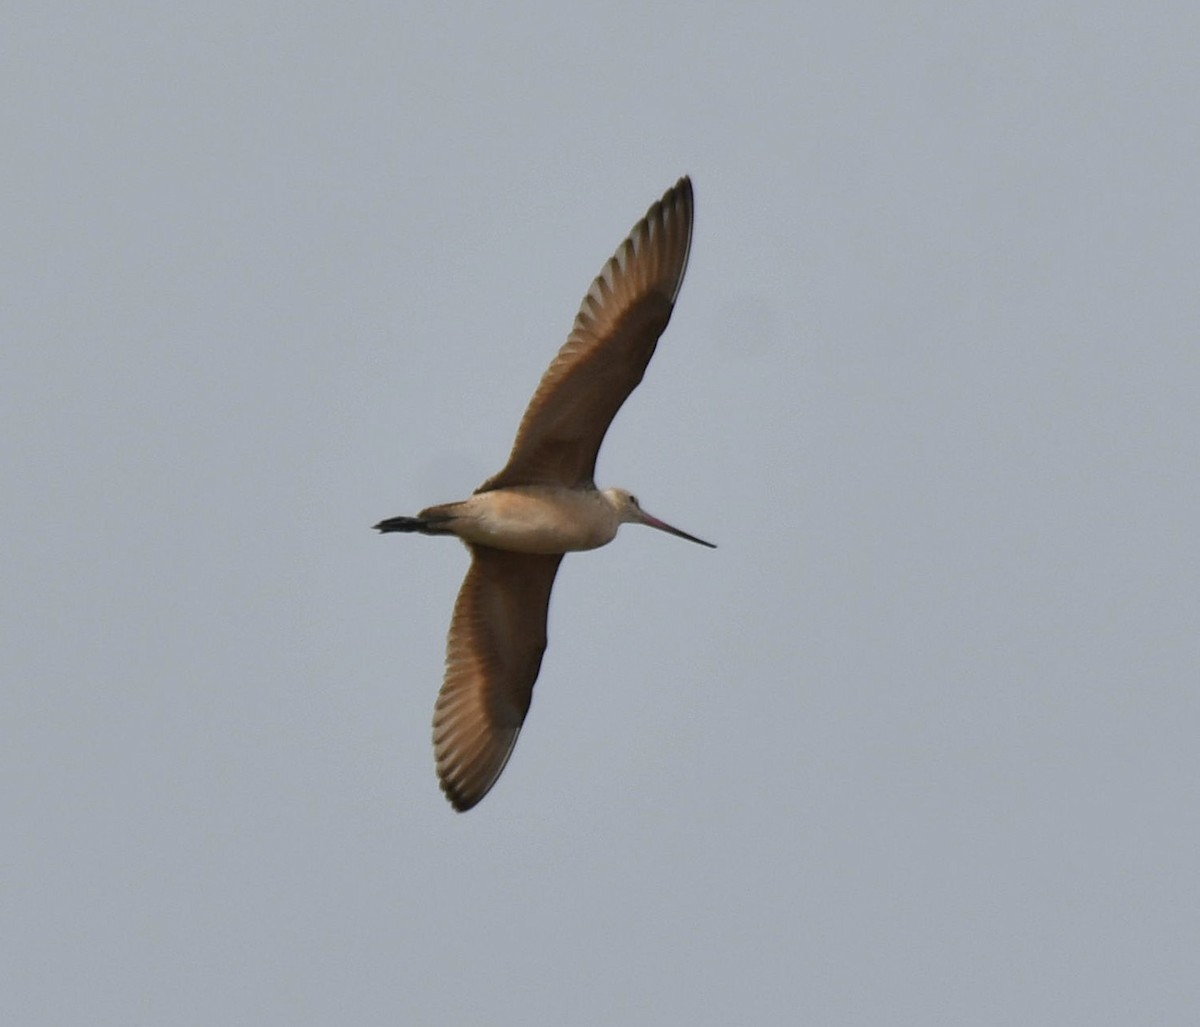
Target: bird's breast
[{"x": 537, "y": 519}]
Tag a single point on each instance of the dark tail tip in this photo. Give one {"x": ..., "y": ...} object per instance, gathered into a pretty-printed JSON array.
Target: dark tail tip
[{"x": 400, "y": 524}]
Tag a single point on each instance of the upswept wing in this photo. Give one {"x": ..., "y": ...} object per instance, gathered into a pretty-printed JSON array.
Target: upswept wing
[
  {"x": 493, "y": 654},
  {"x": 615, "y": 333}
]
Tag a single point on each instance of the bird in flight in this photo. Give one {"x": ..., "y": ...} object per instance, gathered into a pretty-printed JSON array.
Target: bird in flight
[{"x": 544, "y": 502}]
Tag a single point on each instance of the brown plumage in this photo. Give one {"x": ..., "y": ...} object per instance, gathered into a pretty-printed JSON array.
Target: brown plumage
[
  {"x": 615, "y": 334},
  {"x": 544, "y": 503},
  {"x": 493, "y": 654}
]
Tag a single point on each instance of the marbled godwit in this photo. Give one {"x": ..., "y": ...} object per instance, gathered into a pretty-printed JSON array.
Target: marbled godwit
[{"x": 544, "y": 503}]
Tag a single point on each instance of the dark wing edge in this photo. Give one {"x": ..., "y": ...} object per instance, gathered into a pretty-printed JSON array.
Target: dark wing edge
[{"x": 493, "y": 655}]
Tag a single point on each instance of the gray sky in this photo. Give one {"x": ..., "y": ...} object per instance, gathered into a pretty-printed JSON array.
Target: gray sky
[{"x": 917, "y": 744}]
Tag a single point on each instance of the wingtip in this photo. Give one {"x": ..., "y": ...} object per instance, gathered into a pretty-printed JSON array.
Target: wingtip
[
  {"x": 683, "y": 190},
  {"x": 460, "y": 803}
]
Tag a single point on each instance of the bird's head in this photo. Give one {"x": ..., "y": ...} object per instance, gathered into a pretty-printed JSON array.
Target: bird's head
[{"x": 630, "y": 512}]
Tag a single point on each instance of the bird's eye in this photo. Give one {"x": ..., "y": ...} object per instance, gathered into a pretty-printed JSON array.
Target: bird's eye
[{"x": 633, "y": 500}]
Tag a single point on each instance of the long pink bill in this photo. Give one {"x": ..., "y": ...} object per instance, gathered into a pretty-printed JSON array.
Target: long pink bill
[{"x": 654, "y": 522}]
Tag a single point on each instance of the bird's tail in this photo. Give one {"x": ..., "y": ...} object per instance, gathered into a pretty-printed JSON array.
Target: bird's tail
[{"x": 428, "y": 522}]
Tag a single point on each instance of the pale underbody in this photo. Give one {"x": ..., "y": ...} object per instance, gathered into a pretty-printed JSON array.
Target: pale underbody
[{"x": 533, "y": 519}]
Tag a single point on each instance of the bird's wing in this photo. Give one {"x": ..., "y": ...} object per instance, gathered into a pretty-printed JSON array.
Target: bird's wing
[
  {"x": 617, "y": 327},
  {"x": 493, "y": 653}
]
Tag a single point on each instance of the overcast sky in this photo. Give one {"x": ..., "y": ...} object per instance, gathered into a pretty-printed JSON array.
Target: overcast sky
[{"x": 918, "y": 744}]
